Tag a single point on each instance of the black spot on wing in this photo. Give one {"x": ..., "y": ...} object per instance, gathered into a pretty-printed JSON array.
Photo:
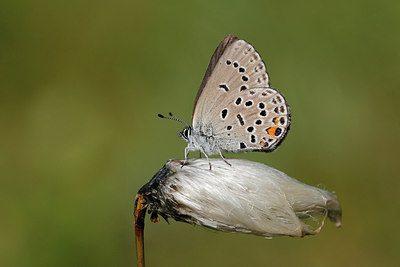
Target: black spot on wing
[
  {"x": 224, "y": 113},
  {"x": 224, "y": 87},
  {"x": 240, "y": 119}
]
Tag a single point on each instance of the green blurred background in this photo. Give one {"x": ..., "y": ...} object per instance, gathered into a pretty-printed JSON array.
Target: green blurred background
[{"x": 81, "y": 83}]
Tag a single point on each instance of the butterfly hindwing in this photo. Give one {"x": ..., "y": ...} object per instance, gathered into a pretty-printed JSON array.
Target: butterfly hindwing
[{"x": 251, "y": 120}]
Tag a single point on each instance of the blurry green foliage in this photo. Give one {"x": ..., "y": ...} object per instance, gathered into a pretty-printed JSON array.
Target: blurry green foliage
[{"x": 81, "y": 84}]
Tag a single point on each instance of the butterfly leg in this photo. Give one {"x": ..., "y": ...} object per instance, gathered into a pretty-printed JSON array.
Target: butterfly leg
[
  {"x": 202, "y": 151},
  {"x": 222, "y": 156},
  {"x": 186, "y": 154}
]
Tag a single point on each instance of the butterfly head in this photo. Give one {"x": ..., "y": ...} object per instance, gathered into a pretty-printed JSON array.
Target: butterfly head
[{"x": 186, "y": 133}]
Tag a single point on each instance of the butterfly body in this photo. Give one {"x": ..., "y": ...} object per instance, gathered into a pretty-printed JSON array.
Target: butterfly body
[
  {"x": 202, "y": 139},
  {"x": 236, "y": 110}
]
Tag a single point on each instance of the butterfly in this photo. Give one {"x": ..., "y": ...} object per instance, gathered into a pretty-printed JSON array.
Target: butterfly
[{"x": 235, "y": 109}]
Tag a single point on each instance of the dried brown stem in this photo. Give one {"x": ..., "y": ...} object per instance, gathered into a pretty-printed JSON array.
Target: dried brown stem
[{"x": 140, "y": 213}]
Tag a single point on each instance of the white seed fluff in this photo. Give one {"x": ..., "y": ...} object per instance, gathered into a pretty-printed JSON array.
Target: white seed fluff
[{"x": 247, "y": 197}]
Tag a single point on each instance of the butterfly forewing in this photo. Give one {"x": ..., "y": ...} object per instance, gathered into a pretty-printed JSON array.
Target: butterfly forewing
[{"x": 235, "y": 66}]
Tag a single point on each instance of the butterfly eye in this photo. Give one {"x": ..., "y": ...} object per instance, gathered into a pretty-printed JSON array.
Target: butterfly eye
[{"x": 186, "y": 132}]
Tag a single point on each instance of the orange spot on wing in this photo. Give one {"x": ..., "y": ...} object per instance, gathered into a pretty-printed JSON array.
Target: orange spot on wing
[
  {"x": 271, "y": 131},
  {"x": 276, "y": 120},
  {"x": 262, "y": 143}
]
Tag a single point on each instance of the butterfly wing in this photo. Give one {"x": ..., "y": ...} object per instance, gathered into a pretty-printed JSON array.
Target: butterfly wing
[
  {"x": 236, "y": 75},
  {"x": 256, "y": 119},
  {"x": 235, "y": 65}
]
